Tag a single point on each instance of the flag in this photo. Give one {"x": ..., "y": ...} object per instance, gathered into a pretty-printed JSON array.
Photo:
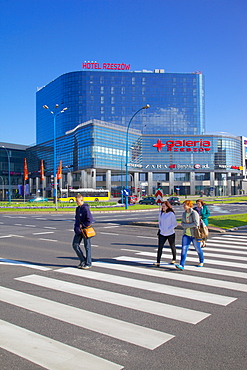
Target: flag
[
  {"x": 59, "y": 171},
  {"x": 25, "y": 170},
  {"x": 42, "y": 175}
]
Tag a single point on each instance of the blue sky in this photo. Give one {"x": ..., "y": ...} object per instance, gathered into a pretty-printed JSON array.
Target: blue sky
[{"x": 42, "y": 39}]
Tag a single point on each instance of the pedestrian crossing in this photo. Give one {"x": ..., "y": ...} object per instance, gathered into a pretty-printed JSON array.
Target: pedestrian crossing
[{"x": 180, "y": 298}]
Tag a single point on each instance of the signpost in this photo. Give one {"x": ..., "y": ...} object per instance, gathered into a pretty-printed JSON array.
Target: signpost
[{"x": 159, "y": 196}]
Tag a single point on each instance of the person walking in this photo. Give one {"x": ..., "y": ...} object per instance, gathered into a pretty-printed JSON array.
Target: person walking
[
  {"x": 204, "y": 214},
  {"x": 190, "y": 221},
  {"x": 83, "y": 218},
  {"x": 167, "y": 223}
]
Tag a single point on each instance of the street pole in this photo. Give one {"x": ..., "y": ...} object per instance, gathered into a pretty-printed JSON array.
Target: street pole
[
  {"x": 127, "y": 155},
  {"x": 55, "y": 148},
  {"x": 9, "y": 186}
]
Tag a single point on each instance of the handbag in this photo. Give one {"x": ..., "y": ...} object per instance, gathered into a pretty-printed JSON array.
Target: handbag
[
  {"x": 88, "y": 232},
  {"x": 198, "y": 233},
  {"x": 203, "y": 230}
]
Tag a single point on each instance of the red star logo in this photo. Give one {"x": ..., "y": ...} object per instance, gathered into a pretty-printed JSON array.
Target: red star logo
[{"x": 159, "y": 145}]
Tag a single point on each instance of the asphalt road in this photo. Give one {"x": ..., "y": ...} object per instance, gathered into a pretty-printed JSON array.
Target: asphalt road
[{"x": 123, "y": 313}]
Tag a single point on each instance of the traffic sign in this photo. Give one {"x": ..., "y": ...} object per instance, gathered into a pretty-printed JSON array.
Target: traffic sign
[
  {"x": 126, "y": 192},
  {"x": 159, "y": 196}
]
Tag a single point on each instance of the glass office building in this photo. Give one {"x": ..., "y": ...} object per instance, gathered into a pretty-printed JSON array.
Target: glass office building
[
  {"x": 176, "y": 101},
  {"x": 168, "y": 147},
  {"x": 11, "y": 169}
]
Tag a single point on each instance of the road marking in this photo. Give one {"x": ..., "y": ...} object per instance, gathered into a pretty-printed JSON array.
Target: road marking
[
  {"x": 101, "y": 232},
  {"x": 150, "y": 286},
  {"x": 49, "y": 353},
  {"x": 122, "y": 330},
  {"x": 135, "y": 303},
  {"x": 208, "y": 261},
  {"x": 146, "y": 237},
  {"x": 6, "y": 261},
  {"x": 109, "y": 227},
  {"x": 232, "y": 243},
  {"x": 129, "y": 250},
  {"x": 44, "y": 232},
  {"x": 30, "y": 225},
  {"x": 215, "y": 250},
  {"x": 225, "y": 246},
  {"x": 11, "y": 235},
  {"x": 49, "y": 227},
  {"x": 232, "y": 236},
  {"x": 175, "y": 276},
  {"x": 48, "y": 240},
  {"x": 205, "y": 270}
]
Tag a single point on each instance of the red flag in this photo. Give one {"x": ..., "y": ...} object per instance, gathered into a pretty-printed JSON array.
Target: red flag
[
  {"x": 42, "y": 174},
  {"x": 59, "y": 171},
  {"x": 25, "y": 169}
]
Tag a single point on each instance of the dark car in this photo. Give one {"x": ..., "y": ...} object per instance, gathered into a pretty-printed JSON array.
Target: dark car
[
  {"x": 174, "y": 201},
  {"x": 148, "y": 200}
]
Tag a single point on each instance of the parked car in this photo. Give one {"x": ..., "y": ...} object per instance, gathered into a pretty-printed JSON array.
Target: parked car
[
  {"x": 174, "y": 201},
  {"x": 38, "y": 199},
  {"x": 148, "y": 200},
  {"x": 131, "y": 198}
]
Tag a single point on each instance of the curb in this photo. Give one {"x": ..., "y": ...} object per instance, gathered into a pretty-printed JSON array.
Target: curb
[{"x": 211, "y": 228}]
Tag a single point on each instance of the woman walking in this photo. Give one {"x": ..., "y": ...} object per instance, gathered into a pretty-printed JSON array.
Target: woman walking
[
  {"x": 190, "y": 221},
  {"x": 204, "y": 214},
  {"x": 167, "y": 223}
]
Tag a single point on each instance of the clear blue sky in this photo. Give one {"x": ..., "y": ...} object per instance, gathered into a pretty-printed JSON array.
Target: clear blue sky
[{"x": 42, "y": 39}]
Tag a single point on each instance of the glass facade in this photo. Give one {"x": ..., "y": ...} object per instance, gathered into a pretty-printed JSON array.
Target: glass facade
[
  {"x": 198, "y": 153},
  {"x": 16, "y": 154},
  {"x": 94, "y": 144},
  {"x": 176, "y": 102}
]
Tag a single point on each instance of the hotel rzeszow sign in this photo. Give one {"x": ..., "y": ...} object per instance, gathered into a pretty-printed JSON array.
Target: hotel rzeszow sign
[{"x": 109, "y": 66}]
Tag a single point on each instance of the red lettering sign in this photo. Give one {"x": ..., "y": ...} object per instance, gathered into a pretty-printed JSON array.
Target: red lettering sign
[
  {"x": 110, "y": 66},
  {"x": 185, "y": 145}
]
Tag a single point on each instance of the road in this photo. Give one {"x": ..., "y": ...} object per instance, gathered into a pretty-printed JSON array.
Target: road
[{"x": 123, "y": 313}]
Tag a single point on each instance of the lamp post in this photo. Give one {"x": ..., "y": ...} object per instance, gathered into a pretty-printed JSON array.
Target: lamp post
[
  {"x": 1, "y": 177},
  {"x": 9, "y": 186},
  {"x": 127, "y": 155},
  {"x": 55, "y": 114},
  {"x": 70, "y": 177}
]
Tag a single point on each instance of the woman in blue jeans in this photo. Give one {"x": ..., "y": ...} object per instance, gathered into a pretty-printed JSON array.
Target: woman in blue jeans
[{"x": 190, "y": 220}]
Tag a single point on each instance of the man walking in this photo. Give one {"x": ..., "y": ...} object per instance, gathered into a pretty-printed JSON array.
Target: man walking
[{"x": 83, "y": 218}]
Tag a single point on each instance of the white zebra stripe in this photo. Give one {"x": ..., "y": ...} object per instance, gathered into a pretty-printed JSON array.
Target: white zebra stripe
[
  {"x": 208, "y": 261},
  {"x": 47, "y": 352},
  {"x": 204, "y": 270},
  {"x": 175, "y": 276},
  {"x": 131, "y": 333},
  {"x": 140, "y": 304},
  {"x": 150, "y": 286}
]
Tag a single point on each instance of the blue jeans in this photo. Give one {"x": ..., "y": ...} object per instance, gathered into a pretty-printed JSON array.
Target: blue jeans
[
  {"x": 87, "y": 245},
  {"x": 186, "y": 241}
]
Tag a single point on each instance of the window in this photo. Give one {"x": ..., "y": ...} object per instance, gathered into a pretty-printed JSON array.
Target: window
[
  {"x": 180, "y": 176},
  {"x": 202, "y": 176}
]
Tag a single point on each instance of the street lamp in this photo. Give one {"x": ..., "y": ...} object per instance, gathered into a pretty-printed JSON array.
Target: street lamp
[
  {"x": 55, "y": 114},
  {"x": 127, "y": 154},
  {"x": 9, "y": 186}
]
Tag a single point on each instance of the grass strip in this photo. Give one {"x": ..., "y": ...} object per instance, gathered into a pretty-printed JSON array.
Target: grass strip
[{"x": 228, "y": 221}]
